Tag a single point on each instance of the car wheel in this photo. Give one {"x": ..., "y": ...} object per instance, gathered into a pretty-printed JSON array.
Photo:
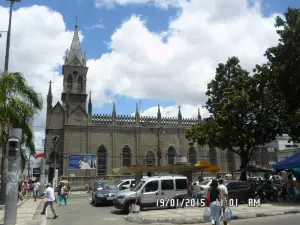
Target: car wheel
[{"x": 129, "y": 206}]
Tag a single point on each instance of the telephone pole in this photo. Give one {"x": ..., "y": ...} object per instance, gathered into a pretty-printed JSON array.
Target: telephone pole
[{"x": 8, "y": 35}]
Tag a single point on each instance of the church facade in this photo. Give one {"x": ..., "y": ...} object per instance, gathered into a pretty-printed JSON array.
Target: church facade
[{"x": 116, "y": 140}]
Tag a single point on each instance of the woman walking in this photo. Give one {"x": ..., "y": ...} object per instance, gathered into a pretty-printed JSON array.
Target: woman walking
[
  {"x": 63, "y": 194},
  {"x": 214, "y": 202}
]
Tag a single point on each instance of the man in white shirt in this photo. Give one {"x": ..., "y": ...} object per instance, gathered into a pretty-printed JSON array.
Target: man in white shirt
[
  {"x": 36, "y": 189},
  {"x": 223, "y": 195},
  {"x": 50, "y": 200},
  {"x": 85, "y": 165}
]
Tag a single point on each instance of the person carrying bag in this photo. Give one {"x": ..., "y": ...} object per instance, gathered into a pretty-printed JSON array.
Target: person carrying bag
[{"x": 213, "y": 196}]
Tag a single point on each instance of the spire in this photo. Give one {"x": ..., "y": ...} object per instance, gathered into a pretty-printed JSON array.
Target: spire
[
  {"x": 137, "y": 109},
  {"x": 199, "y": 115},
  {"x": 75, "y": 52},
  {"x": 90, "y": 97},
  {"x": 114, "y": 113},
  {"x": 179, "y": 113},
  {"x": 158, "y": 112},
  {"x": 49, "y": 97},
  {"x": 50, "y": 88}
]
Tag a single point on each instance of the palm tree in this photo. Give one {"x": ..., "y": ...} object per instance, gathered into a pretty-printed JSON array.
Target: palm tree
[{"x": 19, "y": 103}]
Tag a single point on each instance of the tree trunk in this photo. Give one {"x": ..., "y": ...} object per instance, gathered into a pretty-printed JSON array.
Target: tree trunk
[
  {"x": 4, "y": 164},
  {"x": 244, "y": 164}
]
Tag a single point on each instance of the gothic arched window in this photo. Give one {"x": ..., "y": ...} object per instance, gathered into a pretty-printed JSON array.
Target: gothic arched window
[
  {"x": 192, "y": 156},
  {"x": 213, "y": 156},
  {"x": 126, "y": 156},
  {"x": 102, "y": 160},
  {"x": 230, "y": 160},
  {"x": 150, "y": 159},
  {"x": 70, "y": 82},
  {"x": 171, "y": 155},
  {"x": 80, "y": 84}
]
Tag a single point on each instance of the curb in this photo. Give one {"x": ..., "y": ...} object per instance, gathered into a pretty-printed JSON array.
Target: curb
[{"x": 134, "y": 218}]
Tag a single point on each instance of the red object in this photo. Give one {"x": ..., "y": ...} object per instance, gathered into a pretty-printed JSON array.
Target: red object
[
  {"x": 41, "y": 155},
  {"x": 207, "y": 199}
]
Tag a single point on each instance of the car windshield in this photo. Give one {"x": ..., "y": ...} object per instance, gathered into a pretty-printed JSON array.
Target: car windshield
[
  {"x": 138, "y": 186},
  {"x": 106, "y": 186},
  {"x": 205, "y": 182}
]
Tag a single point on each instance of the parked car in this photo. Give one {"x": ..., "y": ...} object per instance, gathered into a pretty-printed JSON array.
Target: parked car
[
  {"x": 125, "y": 184},
  {"x": 148, "y": 191},
  {"x": 237, "y": 189},
  {"x": 104, "y": 193}
]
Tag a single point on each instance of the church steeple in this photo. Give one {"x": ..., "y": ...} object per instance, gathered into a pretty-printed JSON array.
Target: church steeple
[
  {"x": 74, "y": 56},
  {"x": 49, "y": 97}
]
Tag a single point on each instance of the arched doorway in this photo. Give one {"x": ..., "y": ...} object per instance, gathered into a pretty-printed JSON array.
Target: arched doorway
[
  {"x": 230, "y": 160},
  {"x": 192, "y": 156},
  {"x": 171, "y": 155},
  {"x": 102, "y": 160},
  {"x": 150, "y": 159},
  {"x": 126, "y": 156},
  {"x": 213, "y": 156}
]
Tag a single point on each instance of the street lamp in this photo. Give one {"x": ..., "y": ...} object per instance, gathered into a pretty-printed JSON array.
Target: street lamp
[{"x": 8, "y": 34}]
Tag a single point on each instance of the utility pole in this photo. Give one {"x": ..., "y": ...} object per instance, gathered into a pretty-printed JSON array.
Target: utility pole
[
  {"x": 8, "y": 35},
  {"x": 12, "y": 178},
  {"x": 28, "y": 166},
  {"x": 55, "y": 147}
]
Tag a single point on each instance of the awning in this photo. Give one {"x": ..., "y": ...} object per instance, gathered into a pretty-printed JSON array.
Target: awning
[
  {"x": 170, "y": 168},
  {"x": 288, "y": 163}
]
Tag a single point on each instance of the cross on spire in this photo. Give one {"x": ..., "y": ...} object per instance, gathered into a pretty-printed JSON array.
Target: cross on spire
[
  {"x": 76, "y": 25},
  {"x": 50, "y": 82}
]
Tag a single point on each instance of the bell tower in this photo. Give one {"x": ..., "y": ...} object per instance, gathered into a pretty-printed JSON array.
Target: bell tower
[{"x": 74, "y": 72}]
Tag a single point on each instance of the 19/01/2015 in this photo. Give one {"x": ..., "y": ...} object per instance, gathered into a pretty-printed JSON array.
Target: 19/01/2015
[{"x": 180, "y": 203}]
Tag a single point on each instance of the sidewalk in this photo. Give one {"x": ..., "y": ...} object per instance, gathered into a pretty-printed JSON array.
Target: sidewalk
[
  {"x": 193, "y": 215},
  {"x": 27, "y": 211}
]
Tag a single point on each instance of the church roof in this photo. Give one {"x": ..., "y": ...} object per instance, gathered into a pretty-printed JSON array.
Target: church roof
[{"x": 74, "y": 56}]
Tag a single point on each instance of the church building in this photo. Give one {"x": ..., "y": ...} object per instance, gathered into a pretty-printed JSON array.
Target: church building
[{"x": 115, "y": 140}]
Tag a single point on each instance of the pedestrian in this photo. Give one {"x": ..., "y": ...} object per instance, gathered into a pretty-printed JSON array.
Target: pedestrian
[
  {"x": 87, "y": 186},
  {"x": 63, "y": 194},
  {"x": 214, "y": 202},
  {"x": 69, "y": 188},
  {"x": 223, "y": 196},
  {"x": 50, "y": 200},
  {"x": 36, "y": 189},
  {"x": 290, "y": 187}
]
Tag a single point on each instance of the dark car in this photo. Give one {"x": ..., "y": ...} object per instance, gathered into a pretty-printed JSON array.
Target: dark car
[
  {"x": 104, "y": 193},
  {"x": 237, "y": 189}
]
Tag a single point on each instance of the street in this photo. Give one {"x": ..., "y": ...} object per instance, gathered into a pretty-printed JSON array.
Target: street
[{"x": 79, "y": 211}]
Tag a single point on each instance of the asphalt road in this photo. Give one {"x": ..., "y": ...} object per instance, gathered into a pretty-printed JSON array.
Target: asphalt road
[{"x": 79, "y": 211}]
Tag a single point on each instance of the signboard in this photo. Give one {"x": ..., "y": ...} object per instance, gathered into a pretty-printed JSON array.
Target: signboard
[
  {"x": 36, "y": 171},
  {"x": 83, "y": 162}
]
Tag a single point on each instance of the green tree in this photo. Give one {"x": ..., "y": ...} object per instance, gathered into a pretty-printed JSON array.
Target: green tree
[
  {"x": 284, "y": 70},
  {"x": 241, "y": 118},
  {"x": 19, "y": 103}
]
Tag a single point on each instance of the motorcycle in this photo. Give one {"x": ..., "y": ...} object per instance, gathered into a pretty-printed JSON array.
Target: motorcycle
[{"x": 267, "y": 191}]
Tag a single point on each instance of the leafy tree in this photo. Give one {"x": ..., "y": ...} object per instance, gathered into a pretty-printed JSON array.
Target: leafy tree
[
  {"x": 19, "y": 103},
  {"x": 284, "y": 70},
  {"x": 241, "y": 116}
]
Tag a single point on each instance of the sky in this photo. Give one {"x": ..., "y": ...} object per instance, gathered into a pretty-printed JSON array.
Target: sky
[{"x": 148, "y": 52}]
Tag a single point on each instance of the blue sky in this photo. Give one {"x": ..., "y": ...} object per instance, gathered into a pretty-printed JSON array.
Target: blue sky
[
  {"x": 107, "y": 20},
  {"x": 163, "y": 55}
]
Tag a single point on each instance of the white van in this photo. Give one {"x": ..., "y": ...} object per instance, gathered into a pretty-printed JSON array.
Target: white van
[
  {"x": 126, "y": 184},
  {"x": 148, "y": 192}
]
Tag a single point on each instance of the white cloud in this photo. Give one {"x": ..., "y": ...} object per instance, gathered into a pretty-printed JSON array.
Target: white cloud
[
  {"x": 173, "y": 65},
  {"x": 160, "y": 3},
  {"x": 38, "y": 41},
  {"x": 98, "y": 25},
  {"x": 187, "y": 111},
  {"x": 178, "y": 63}
]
